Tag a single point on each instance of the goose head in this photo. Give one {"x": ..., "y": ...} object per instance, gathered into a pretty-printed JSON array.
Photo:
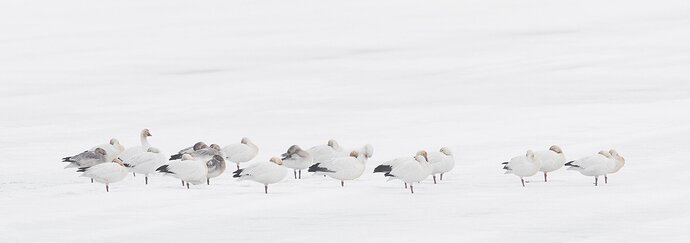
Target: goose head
[
  {"x": 620, "y": 161},
  {"x": 354, "y": 154},
  {"x": 333, "y": 144},
  {"x": 118, "y": 161},
  {"x": 145, "y": 133},
  {"x": 199, "y": 145},
  {"x": 446, "y": 151},
  {"x": 215, "y": 146},
  {"x": 245, "y": 141},
  {"x": 293, "y": 149},
  {"x": 605, "y": 154},
  {"x": 422, "y": 156},
  {"x": 100, "y": 151},
  {"x": 556, "y": 149},
  {"x": 217, "y": 159},
  {"x": 277, "y": 161},
  {"x": 116, "y": 144}
]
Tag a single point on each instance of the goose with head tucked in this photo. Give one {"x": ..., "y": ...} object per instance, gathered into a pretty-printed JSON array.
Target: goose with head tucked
[
  {"x": 147, "y": 162},
  {"x": 443, "y": 162},
  {"x": 216, "y": 166},
  {"x": 188, "y": 150},
  {"x": 297, "y": 159},
  {"x": 410, "y": 170},
  {"x": 266, "y": 173},
  {"x": 523, "y": 166},
  {"x": 326, "y": 152},
  {"x": 551, "y": 160},
  {"x": 342, "y": 168},
  {"x": 594, "y": 165},
  {"x": 241, "y": 152},
  {"x": 86, "y": 158},
  {"x": 129, "y": 153},
  {"x": 618, "y": 164},
  {"x": 106, "y": 173},
  {"x": 189, "y": 170}
]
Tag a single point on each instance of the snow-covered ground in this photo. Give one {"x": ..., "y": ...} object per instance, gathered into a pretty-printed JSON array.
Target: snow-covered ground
[{"x": 489, "y": 79}]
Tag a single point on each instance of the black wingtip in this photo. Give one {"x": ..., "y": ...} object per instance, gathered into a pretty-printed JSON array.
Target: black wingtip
[
  {"x": 176, "y": 157},
  {"x": 83, "y": 169},
  {"x": 164, "y": 169},
  {"x": 506, "y": 167},
  {"x": 383, "y": 168},
  {"x": 128, "y": 165},
  {"x": 316, "y": 168},
  {"x": 236, "y": 174},
  {"x": 570, "y": 163},
  {"x": 505, "y": 163}
]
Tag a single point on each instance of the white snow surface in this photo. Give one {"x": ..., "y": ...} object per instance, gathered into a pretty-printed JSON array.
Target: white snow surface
[{"x": 489, "y": 79}]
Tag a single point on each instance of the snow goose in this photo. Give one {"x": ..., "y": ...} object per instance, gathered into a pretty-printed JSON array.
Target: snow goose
[
  {"x": 523, "y": 166},
  {"x": 146, "y": 162},
  {"x": 551, "y": 160},
  {"x": 129, "y": 153},
  {"x": 408, "y": 169},
  {"x": 216, "y": 167},
  {"x": 189, "y": 170},
  {"x": 619, "y": 163},
  {"x": 324, "y": 153},
  {"x": 265, "y": 173},
  {"x": 443, "y": 161},
  {"x": 113, "y": 149},
  {"x": 297, "y": 160},
  {"x": 106, "y": 173},
  {"x": 241, "y": 152},
  {"x": 189, "y": 150},
  {"x": 86, "y": 158},
  {"x": 595, "y": 165},
  {"x": 343, "y": 168}
]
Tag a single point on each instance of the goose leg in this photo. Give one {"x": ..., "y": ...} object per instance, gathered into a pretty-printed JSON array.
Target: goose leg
[
  {"x": 182, "y": 182},
  {"x": 596, "y": 181},
  {"x": 434, "y": 179},
  {"x": 523, "y": 182},
  {"x": 295, "y": 172},
  {"x": 606, "y": 179},
  {"x": 238, "y": 166},
  {"x": 405, "y": 185},
  {"x": 107, "y": 188},
  {"x": 146, "y": 179},
  {"x": 91, "y": 180},
  {"x": 441, "y": 176},
  {"x": 208, "y": 181},
  {"x": 342, "y": 183},
  {"x": 187, "y": 185},
  {"x": 300, "y": 174},
  {"x": 411, "y": 188},
  {"x": 134, "y": 174},
  {"x": 265, "y": 189},
  {"x": 545, "y": 177}
]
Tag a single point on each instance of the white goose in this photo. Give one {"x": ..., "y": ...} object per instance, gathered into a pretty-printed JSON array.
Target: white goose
[
  {"x": 408, "y": 169},
  {"x": 297, "y": 159},
  {"x": 595, "y": 165},
  {"x": 551, "y": 160},
  {"x": 324, "y": 153},
  {"x": 113, "y": 149},
  {"x": 188, "y": 170},
  {"x": 241, "y": 152},
  {"x": 106, "y": 173},
  {"x": 188, "y": 150},
  {"x": 129, "y": 153},
  {"x": 147, "y": 162},
  {"x": 523, "y": 166},
  {"x": 620, "y": 162},
  {"x": 265, "y": 173},
  {"x": 443, "y": 162},
  {"x": 343, "y": 168}
]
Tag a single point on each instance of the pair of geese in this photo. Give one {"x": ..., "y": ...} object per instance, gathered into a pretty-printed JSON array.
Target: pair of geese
[{"x": 597, "y": 165}]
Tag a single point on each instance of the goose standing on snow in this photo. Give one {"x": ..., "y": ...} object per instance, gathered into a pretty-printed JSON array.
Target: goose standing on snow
[
  {"x": 523, "y": 166},
  {"x": 408, "y": 169},
  {"x": 551, "y": 160},
  {"x": 443, "y": 161},
  {"x": 297, "y": 159},
  {"x": 106, "y": 173},
  {"x": 189, "y": 170},
  {"x": 147, "y": 162},
  {"x": 129, "y": 153},
  {"x": 216, "y": 166},
  {"x": 241, "y": 152},
  {"x": 265, "y": 173},
  {"x": 619, "y": 163},
  {"x": 595, "y": 165},
  {"x": 188, "y": 150},
  {"x": 343, "y": 168}
]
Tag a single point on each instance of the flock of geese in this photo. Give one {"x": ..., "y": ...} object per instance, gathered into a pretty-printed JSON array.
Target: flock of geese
[{"x": 198, "y": 164}]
